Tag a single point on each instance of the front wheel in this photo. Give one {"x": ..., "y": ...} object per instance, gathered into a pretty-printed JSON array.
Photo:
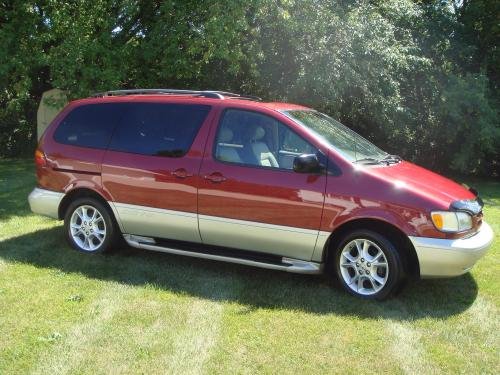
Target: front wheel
[
  {"x": 367, "y": 265},
  {"x": 89, "y": 226}
]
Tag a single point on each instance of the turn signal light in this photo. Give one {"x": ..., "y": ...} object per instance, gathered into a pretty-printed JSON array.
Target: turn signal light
[
  {"x": 437, "y": 218},
  {"x": 451, "y": 221}
]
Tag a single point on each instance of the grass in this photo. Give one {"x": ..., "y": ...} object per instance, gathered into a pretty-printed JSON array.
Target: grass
[{"x": 142, "y": 312}]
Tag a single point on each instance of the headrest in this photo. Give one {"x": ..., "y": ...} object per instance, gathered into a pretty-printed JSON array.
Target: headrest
[
  {"x": 258, "y": 133},
  {"x": 226, "y": 135}
]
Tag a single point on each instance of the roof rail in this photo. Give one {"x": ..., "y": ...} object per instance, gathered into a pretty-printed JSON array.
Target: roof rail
[{"x": 202, "y": 93}]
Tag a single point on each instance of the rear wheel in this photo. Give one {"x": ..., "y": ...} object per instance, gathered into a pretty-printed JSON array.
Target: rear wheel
[
  {"x": 367, "y": 265},
  {"x": 89, "y": 226}
]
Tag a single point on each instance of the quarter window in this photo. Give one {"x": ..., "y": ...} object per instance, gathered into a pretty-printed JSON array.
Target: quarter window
[
  {"x": 158, "y": 129},
  {"x": 252, "y": 138},
  {"x": 89, "y": 125}
]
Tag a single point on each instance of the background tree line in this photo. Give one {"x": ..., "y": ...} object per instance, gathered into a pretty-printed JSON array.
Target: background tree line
[{"x": 419, "y": 78}]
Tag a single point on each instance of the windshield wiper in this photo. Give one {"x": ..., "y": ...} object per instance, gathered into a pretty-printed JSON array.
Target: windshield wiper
[
  {"x": 367, "y": 161},
  {"x": 386, "y": 159},
  {"x": 391, "y": 159}
]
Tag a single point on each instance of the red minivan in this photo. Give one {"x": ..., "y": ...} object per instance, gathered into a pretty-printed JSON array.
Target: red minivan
[{"x": 222, "y": 176}]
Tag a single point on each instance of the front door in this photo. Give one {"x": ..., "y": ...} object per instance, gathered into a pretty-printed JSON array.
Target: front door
[{"x": 249, "y": 197}]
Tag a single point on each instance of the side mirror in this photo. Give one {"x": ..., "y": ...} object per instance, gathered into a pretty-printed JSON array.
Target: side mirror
[{"x": 307, "y": 163}]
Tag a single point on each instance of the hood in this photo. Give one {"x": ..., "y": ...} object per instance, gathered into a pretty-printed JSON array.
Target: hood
[{"x": 423, "y": 182}]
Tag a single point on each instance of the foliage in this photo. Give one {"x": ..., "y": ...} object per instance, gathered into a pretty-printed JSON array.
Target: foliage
[{"x": 418, "y": 78}]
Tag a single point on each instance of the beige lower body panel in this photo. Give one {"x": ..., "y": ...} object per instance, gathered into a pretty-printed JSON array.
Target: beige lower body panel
[
  {"x": 45, "y": 202},
  {"x": 156, "y": 222},
  {"x": 280, "y": 240},
  {"x": 296, "y": 243},
  {"x": 320, "y": 246}
]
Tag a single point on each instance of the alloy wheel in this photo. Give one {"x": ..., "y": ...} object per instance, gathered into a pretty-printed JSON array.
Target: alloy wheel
[
  {"x": 364, "y": 266},
  {"x": 87, "y": 228}
]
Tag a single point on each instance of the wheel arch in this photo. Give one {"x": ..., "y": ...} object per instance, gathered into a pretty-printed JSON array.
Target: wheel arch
[
  {"x": 401, "y": 241},
  {"x": 81, "y": 193}
]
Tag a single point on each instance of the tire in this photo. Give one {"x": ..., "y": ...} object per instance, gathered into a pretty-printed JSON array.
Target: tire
[
  {"x": 89, "y": 226},
  {"x": 367, "y": 265}
]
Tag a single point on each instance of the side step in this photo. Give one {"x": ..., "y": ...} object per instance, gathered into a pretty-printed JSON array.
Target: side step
[{"x": 224, "y": 254}]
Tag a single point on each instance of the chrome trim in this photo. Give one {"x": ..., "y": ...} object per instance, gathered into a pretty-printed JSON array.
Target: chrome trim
[
  {"x": 157, "y": 222},
  {"x": 45, "y": 202},
  {"x": 302, "y": 266},
  {"x": 135, "y": 238},
  {"x": 289, "y": 264},
  {"x": 296, "y": 243},
  {"x": 445, "y": 258}
]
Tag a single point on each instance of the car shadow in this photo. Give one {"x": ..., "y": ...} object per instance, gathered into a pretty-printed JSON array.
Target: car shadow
[{"x": 252, "y": 287}]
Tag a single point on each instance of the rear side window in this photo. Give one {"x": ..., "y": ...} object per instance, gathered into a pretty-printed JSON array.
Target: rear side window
[
  {"x": 158, "y": 129},
  {"x": 89, "y": 125}
]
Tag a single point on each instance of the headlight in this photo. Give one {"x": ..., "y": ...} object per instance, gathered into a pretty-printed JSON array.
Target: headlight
[{"x": 449, "y": 221}]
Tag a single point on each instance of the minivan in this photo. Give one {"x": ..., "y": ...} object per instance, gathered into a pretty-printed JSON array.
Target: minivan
[{"x": 228, "y": 177}]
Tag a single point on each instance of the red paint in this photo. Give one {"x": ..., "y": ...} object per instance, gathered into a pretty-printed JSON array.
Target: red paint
[
  {"x": 259, "y": 194},
  {"x": 401, "y": 194}
]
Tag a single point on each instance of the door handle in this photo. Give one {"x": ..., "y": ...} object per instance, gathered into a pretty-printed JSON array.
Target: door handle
[
  {"x": 215, "y": 177},
  {"x": 181, "y": 173}
]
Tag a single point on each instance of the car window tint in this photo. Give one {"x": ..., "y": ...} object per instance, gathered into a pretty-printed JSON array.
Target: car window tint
[
  {"x": 252, "y": 138},
  {"x": 291, "y": 142},
  {"x": 158, "y": 129},
  {"x": 89, "y": 125}
]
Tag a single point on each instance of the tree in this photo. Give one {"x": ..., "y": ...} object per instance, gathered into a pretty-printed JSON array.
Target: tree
[{"x": 417, "y": 77}]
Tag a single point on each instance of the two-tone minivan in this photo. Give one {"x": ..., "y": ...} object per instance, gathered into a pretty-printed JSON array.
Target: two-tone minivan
[{"x": 228, "y": 177}]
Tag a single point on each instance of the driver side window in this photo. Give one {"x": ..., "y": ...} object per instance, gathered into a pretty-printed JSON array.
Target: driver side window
[{"x": 251, "y": 138}]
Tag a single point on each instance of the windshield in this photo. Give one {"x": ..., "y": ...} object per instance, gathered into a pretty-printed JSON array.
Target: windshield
[{"x": 352, "y": 146}]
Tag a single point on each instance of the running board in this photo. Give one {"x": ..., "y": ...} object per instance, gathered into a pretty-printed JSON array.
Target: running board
[{"x": 284, "y": 263}]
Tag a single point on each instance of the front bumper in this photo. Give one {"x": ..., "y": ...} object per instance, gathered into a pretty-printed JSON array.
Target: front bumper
[
  {"x": 446, "y": 258},
  {"x": 45, "y": 202}
]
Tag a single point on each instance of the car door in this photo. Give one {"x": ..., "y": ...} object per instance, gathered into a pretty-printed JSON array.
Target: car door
[
  {"x": 249, "y": 197},
  {"x": 151, "y": 169}
]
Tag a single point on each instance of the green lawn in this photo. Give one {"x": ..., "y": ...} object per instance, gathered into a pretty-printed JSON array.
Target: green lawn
[{"x": 142, "y": 312}]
